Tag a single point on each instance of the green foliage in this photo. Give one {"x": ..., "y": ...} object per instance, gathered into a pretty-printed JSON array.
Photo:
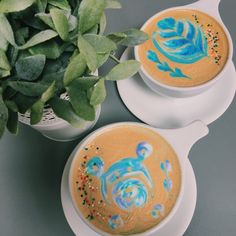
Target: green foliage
[
  {"x": 7, "y": 6},
  {"x": 49, "y": 47}
]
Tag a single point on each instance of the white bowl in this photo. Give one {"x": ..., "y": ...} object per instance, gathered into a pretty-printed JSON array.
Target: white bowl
[
  {"x": 210, "y": 7},
  {"x": 181, "y": 141}
]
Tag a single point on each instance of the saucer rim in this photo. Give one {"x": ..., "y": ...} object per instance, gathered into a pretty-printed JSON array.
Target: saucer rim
[{"x": 208, "y": 118}]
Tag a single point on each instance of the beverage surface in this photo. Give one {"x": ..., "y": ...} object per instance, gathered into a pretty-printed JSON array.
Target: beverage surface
[
  {"x": 186, "y": 48},
  {"x": 126, "y": 180}
]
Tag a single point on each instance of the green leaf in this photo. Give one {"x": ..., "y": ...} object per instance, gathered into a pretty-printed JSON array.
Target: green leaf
[
  {"x": 89, "y": 53},
  {"x": 37, "y": 108},
  {"x": 42, "y": 5},
  {"x": 93, "y": 30},
  {"x": 103, "y": 24},
  {"x": 3, "y": 114},
  {"x": 113, "y": 4},
  {"x": 39, "y": 38},
  {"x": 12, "y": 123},
  {"x": 28, "y": 88},
  {"x": 21, "y": 35},
  {"x": 117, "y": 37},
  {"x": 7, "y": 6},
  {"x": 57, "y": 65},
  {"x": 49, "y": 93},
  {"x": 100, "y": 43},
  {"x": 50, "y": 49},
  {"x": 46, "y": 19},
  {"x": 6, "y": 29},
  {"x": 73, "y": 23},
  {"x": 11, "y": 105},
  {"x": 61, "y": 23},
  {"x": 34, "y": 23},
  {"x": 123, "y": 70},
  {"x": 102, "y": 58},
  {"x": 30, "y": 68},
  {"x": 80, "y": 103},
  {"x": 85, "y": 82},
  {"x": 4, "y": 63},
  {"x": 75, "y": 69},
  {"x": 132, "y": 37},
  {"x": 3, "y": 42},
  {"x": 57, "y": 77},
  {"x": 90, "y": 13},
  {"x": 23, "y": 102},
  {"x": 64, "y": 110},
  {"x": 99, "y": 93},
  {"x": 4, "y": 73},
  {"x": 63, "y": 4},
  {"x": 36, "y": 113}
]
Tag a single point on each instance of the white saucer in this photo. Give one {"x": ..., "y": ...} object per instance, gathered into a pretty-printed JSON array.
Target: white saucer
[
  {"x": 164, "y": 112},
  {"x": 177, "y": 226}
]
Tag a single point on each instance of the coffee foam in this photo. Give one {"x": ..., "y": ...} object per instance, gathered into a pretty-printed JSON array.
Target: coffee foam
[
  {"x": 126, "y": 180},
  {"x": 186, "y": 48}
]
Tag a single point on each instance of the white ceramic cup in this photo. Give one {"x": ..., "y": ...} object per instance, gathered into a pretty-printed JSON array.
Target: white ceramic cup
[
  {"x": 181, "y": 141},
  {"x": 210, "y": 7}
]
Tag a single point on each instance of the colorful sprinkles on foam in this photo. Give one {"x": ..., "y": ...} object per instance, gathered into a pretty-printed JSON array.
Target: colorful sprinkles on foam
[
  {"x": 95, "y": 206},
  {"x": 84, "y": 185},
  {"x": 212, "y": 38}
]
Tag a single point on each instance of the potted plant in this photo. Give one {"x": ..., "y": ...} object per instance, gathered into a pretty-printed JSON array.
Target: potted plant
[{"x": 50, "y": 52}]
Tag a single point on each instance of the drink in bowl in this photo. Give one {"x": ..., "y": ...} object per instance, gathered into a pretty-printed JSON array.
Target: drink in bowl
[
  {"x": 127, "y": 179},
  {"x": 187, "y": 52}
]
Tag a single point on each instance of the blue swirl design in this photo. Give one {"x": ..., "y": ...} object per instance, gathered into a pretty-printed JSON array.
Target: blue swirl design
[
  {"x": 166, "y": 168},
  {"x": 158, "y": 210},
  {"x": 129, "y": 193},
  {"x": 182, "y": 41},
  {"x": 164, "y": 66},
  {"x": 116, "y": 222},
  {"x": 124, "y": 168},
  {"x": 95, "y": 167}
]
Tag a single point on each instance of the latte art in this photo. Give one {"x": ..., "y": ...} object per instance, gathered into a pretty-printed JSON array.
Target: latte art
[
  {"x": 186, "y": 48},
  {"x": 126, "y": 180}
]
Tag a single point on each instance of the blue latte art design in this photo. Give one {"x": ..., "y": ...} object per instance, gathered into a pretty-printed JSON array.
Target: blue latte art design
[
  {"x": 129, "y": 193},
  {"x": 116, "y": 222},
  {"x": 95, "y": 167},
  {"x": 158, "y": 210},
  {"x": 164, "y": 66},
  {"x": 166, "y": 168},
  {"x": 126, "y": 192},
  {"x": 181, "y": 41}
]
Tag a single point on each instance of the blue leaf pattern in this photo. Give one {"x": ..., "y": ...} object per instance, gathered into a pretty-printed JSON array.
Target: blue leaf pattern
[
  {"x": 152, "y": 56},
  {"x": 168, "y": 23},
  {"x": 166, "y": 168},
  {"x": 164, "y": 66},
  {"x": 181, "y": 41},
  {"x": 178, "y": 73},
  {"x": 180, "y": 28}
]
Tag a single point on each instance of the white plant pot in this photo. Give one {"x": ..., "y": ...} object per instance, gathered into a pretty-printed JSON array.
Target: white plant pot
[{"x": 58, "y": 129}]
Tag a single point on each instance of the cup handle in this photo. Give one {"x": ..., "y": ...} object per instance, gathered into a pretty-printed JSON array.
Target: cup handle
[
  {"x": 184, "y": 138},
  {"x": 209, "y": 6}
]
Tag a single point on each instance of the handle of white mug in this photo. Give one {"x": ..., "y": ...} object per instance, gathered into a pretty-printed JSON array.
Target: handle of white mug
[
  {"x": 209, "y": 6},
  {"x": 184, "y": 138}
]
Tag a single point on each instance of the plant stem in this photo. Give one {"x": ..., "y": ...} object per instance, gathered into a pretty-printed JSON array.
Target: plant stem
[{"x": 114, "y": 58}]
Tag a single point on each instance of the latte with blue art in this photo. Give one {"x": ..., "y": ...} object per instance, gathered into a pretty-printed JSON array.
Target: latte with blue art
[
  {"x": 186, "y": 48},
  {"x": 126, "y": 180}
]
